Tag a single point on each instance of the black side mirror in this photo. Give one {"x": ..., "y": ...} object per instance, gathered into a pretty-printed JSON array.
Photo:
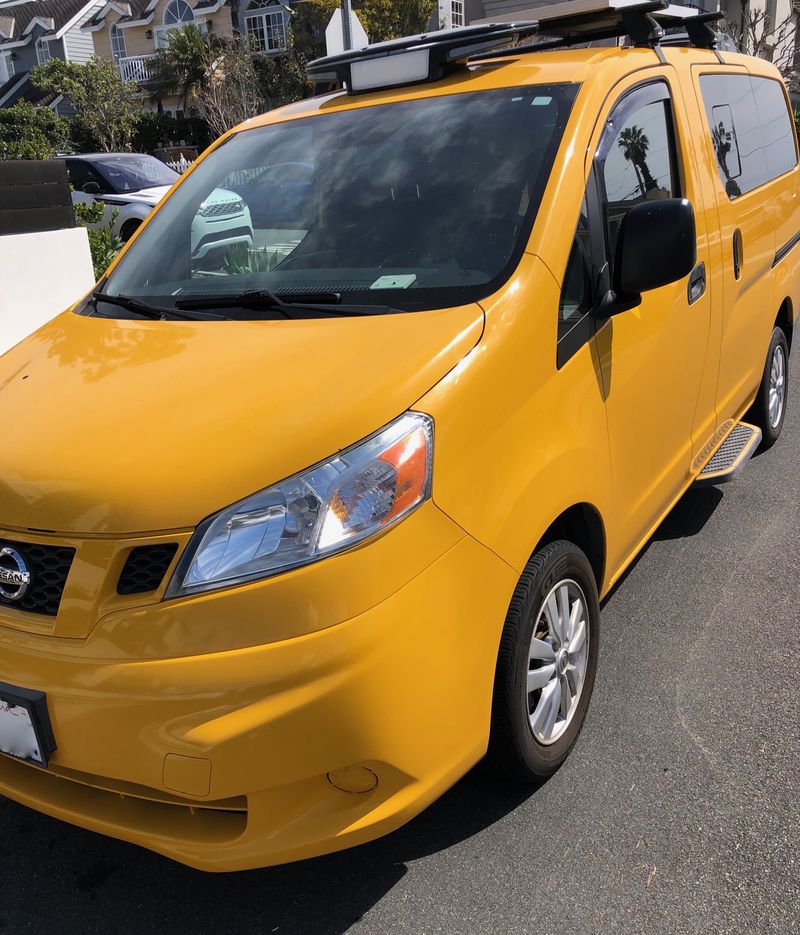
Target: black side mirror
[
  {"x": 91, "y": 188},
  {"x": 657, "y": 245}
]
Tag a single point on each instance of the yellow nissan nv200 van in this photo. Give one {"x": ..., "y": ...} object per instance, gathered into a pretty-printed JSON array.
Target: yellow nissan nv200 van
[{"x": 293, "y": 534}]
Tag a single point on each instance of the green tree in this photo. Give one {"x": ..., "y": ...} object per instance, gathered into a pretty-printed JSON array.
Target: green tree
[
  {"x": 282, "y": 78},
  {"x": 382, "y": 20},
  {"x": 108, "y": 106},
  {"x": 28, "y": 132},
  {"x": 391, "y": 19},
  {"x": 181, "y": 67}
]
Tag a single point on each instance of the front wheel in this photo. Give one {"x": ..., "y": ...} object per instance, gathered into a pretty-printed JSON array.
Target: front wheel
[
  {"x": 129, "y": 228},
  {"x": 769, "y": 408},
  {"x": 546, "y": 664}
]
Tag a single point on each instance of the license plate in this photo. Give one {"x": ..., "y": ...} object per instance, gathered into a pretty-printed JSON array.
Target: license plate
[{"x": 25, "y": 731}]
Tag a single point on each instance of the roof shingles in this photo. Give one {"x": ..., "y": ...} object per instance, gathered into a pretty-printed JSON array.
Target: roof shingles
[{"x": 59, "y": 11}]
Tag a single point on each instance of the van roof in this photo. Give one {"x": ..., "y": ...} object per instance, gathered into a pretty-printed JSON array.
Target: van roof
[{"x": 602, "y": 65}]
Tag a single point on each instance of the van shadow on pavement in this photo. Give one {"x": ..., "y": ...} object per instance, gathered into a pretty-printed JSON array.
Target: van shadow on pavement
[{"x": 62, "y": 879}]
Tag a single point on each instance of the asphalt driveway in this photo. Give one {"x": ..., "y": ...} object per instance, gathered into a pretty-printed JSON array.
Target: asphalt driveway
[{"x": 678, "y": 811}]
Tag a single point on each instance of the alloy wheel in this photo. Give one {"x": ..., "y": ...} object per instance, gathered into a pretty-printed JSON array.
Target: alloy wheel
[
  {"x": 777, "y": 386},
  {"x": 558, "y": 660}
]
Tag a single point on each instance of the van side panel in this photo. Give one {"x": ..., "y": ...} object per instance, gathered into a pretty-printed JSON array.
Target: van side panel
[
  {"x": 526, "y": 441},
  {"x": 785, "y": 197},
  {"x": 655, "y": 356},
  {"x": 748, "y": 218}
]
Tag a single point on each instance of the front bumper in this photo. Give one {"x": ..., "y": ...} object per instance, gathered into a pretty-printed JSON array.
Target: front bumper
[{"x": 223, "y": 760}]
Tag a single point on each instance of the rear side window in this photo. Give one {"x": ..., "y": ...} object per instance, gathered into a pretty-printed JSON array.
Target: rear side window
[
  {"x": 776, "y": 125},
  {"x": 751, "y": 130}
]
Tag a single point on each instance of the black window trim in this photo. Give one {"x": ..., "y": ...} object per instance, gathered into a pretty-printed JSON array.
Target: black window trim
[{"x": 586, "y": 327}]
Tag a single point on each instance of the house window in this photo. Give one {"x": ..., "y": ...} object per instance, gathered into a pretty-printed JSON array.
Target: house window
[
  {"x": 266, "y": 32},
  {"x": 456, "y": 12},
  {"x": 6, "y": 66},
  {"x": 117, "y": 36},
  {"x": 43, "y": 51},
  {"x": 176, "y": 15}
]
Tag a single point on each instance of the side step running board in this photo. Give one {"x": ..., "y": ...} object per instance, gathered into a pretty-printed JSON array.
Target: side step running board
[{"x": 731, "y": 456}]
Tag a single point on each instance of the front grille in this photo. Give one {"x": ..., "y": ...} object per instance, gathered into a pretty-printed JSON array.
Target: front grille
[
  {"x": 221, "y": 209},
  {"x": 145, "y": 568},
  {"x": 48, "y": 566}
]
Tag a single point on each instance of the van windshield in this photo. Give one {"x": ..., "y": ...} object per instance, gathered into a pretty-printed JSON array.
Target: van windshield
[{"x": 419, "y": 204}]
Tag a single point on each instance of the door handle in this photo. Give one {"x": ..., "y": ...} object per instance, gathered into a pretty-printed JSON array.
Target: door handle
[
  {"x": 738, "y": 253},
  {"x": 697, "y": 283}
]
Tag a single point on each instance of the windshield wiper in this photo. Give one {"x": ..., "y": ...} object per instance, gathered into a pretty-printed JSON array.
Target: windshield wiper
[
  {"x": 153, "y": 312},
  {"x": 327, "y": 303}
]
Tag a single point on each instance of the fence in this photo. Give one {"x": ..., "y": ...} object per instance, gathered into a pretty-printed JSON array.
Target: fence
[
  {"x": 34, "y": 196},
  {"x": 179, "y": 165}
]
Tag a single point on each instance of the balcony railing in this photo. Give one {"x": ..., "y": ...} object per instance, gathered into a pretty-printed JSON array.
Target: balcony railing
[{"x": 135, "y": 67}]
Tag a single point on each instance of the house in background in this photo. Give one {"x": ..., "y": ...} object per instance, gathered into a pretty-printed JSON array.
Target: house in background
[
  {"x": 131, "y": 33},
  {"x": 263, "y": 25},
  {"x": 33, "y": 33},
  {"x": 450, "y": 14}
]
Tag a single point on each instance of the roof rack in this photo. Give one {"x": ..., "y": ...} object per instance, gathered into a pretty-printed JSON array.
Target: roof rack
[
  {"x": 643, "y": 22},
  {"x": 432, "y": 56},
  {"x": 427, "y": 57}
]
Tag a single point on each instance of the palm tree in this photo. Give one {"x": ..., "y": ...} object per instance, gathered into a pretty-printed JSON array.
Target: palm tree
[
  {"x": 182, "y": 66},
  {"x": 634, "y": 145}
]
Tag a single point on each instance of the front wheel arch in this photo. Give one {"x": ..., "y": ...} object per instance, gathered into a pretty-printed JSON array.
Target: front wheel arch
[
  {"x": 583, "y": 525},
  {"x": 129, "y": 228}
]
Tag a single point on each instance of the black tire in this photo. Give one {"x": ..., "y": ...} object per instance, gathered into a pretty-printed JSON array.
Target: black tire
[
  {"x": 759, "y": 413},
  {"x": 514, "y": 750},
  {"x": 129, "y": 228}
]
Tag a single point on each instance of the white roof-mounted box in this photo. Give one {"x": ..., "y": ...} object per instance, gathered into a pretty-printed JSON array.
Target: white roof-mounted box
[{"x": 414, "y": 59}]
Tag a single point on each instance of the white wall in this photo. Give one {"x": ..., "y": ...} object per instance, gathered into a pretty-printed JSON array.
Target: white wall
[
  {"x": 79, "y": 46},
  {"x": 41, "y": 275}
]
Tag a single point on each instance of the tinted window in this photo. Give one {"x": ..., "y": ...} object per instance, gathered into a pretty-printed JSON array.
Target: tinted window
[
  {"x": 750, "y": 129},
  {"x": 80, "y": 173},
  {"x": 132, "y": 173},
  {"x": 577, "y": 291},
  {"x": 420, "y": 204},
  {"x": 637, "y": 159},
  {"x": 776, "y": 125}
]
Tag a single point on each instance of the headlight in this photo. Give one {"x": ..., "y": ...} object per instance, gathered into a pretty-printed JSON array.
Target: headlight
[{"x": 333, "y": 506}]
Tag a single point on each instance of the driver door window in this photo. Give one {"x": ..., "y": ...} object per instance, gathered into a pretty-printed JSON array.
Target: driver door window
[
  {"x": 80, "y": 173},
  {"x": 637, "y": 158}
]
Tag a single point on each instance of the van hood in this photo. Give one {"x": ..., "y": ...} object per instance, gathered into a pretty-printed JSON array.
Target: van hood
[{"x": 138, "y": 426}]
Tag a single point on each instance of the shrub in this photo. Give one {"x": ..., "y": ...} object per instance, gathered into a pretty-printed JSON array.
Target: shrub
[
  {"x": 104, "y": 244},
  {"x": 28, "y": 132}
]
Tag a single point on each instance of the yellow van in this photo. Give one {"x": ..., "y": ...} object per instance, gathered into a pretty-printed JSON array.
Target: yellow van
[{"x": 294, "y": 534}]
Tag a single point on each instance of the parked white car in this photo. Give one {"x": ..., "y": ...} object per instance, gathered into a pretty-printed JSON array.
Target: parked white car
[{"x": 130, "y": 185}]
